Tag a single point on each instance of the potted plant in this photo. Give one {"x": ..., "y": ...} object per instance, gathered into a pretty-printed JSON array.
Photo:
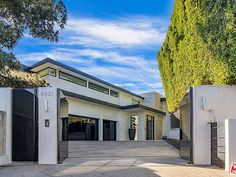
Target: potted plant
[{"x": 132, "y": 129}]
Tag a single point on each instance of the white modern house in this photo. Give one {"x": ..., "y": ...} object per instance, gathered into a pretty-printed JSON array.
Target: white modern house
[
  {"x": 98, "y": 110},
  {"x": 75, "y": 106}
]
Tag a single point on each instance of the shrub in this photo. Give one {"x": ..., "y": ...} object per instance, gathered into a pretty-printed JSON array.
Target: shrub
[{"x": 200, "y": 47}]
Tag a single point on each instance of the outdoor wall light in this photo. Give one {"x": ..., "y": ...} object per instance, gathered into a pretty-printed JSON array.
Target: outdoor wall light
[
  {"x": 46, "y": 104},
  {"x": 203, "y": 103}
]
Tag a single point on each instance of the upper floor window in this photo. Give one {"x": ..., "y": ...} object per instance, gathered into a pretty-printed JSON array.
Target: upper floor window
[
  {"x": 73, "y": 79},
  {"x": 47, "y": 71},
  {"x": 98, "y": 88},
  {"x": 114, "y": 93}
]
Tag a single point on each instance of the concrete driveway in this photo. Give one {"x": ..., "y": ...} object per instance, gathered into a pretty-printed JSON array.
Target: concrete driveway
[{"x": 116, "y": 159}]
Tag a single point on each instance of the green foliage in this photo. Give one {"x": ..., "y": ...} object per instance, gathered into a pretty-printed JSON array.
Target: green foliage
[
  {"x": 200, "y": 47},
  {"x": 132, "y": 122},
  {"x": 38, "y": 18}
]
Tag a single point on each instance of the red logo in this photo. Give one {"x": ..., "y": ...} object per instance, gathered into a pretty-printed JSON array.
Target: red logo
[{"x": 233, "y": 168}]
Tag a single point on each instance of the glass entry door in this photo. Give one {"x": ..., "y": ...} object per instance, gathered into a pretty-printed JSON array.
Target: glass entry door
[
  {"x": 150, "y": 128},
  {"x": 109, "y": 130}
]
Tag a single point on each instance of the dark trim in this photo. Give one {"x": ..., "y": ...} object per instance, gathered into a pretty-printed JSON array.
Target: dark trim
[
  {"x": 49, "y": 60},
  {"x": 143, "y": 107},
  {"x": 162, "y": 99},
  {"x": 83, "y": 116},
  {"x": 73, "y": 77},
  {"x": 93, "y": 100},
  {"x": 58, "y": 125},
  {"x": 191, "y": 122}
]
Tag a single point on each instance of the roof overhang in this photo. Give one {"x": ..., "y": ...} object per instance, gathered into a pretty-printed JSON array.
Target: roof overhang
[
  {"x": 142, "y": 107},
  {"x": 135, "y": 107}
]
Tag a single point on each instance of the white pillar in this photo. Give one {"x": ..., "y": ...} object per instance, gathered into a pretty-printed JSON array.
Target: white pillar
[
  {"x": 48, "y": 139},
  {"x": 230, "y": 143},
  {"x": 100, "y": 129},
  {"x": 141, "y": 129},
  {"x": 6, "y": 111}
]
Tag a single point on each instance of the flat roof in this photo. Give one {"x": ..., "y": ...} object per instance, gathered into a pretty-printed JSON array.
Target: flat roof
[
  {"x": 49, "y": 60},
  {"x": 93, "y": 100}
]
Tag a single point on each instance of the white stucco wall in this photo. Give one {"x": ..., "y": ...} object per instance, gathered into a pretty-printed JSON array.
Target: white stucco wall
[
  {"x": 6, "y": 114},
  {"x": 219, "y": 105},
  {"x": 88, "y": 109},
  {"x": 230, "y": 143},
  {"x": 152, "y": 99},
  {"x": 123, "y": 99},
  {"x": 47, "y": 99},
  {"x": 166, "y": 120},
  {"x": 174, "y": 133}
]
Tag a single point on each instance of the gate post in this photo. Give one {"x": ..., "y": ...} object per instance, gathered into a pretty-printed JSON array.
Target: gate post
[
  {"x": 48, "y": 137},
  {"x": 5, "y": 126},
  {"x": 230, "y": 143}
]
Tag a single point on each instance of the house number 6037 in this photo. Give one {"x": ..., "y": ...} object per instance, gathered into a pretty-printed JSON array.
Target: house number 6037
[{"x": 47, "y": 93}]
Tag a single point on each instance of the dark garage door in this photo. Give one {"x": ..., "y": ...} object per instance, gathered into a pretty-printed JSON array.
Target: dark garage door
[
  {"x": 82, "y": 128},
  {"x": 109, "y": 130}
]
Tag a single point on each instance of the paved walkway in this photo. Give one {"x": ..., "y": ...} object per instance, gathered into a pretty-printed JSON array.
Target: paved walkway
[{"x": 116, "y": 159}]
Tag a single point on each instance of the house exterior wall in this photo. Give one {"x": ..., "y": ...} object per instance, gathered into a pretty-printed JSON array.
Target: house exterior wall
[
  {"x": 123, "y": 99},
  {"x": 87, "y": 109},
  {"x": 152, "y": 99},
  {"x": 219, "y": 105},
  {"x": 6, "y": 126},
  {"x": 80, "y": 107}
]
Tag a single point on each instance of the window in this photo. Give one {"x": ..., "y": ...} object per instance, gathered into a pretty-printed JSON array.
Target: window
[
  {"x": 73, "y": 79},
  {"x": 98, "y": 88},
  {"x": 114, "y": 93},
  {"x": 47, "y": 71}
]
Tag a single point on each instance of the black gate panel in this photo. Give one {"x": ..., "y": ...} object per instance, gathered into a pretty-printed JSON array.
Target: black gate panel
[
  {"x": 215, "y": 147},
  {"x": 24, "y": 125},
  {"x": 109, "y": 130}
]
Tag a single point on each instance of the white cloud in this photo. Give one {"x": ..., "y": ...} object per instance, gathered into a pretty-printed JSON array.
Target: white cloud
[
  {"x": 121, "y": 32},
  {"x": 109, "y": 49},
  {"x": 131, "y": 72}
]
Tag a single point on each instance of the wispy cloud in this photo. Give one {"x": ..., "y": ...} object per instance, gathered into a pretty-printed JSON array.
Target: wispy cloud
[
  {"x": 132, "y": 72},
  {"x": 109, "y": 49},
  {"x": 124, "y": 32}
]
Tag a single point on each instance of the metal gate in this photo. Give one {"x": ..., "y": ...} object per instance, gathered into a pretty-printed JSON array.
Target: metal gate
[
  {"x": 24, "y": 125},
  {"x": 218, "y": 144}
]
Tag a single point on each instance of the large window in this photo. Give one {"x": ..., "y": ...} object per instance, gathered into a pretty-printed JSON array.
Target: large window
[
  {"x": 98, "y": 88},
  {"x": 73, "y": 79},
  {"x": 47, "y": 71},
  {"x": 114, "y": 93}
]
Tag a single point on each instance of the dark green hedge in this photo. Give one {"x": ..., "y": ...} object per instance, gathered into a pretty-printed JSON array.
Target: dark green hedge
[{"x": 200, "y": 47}]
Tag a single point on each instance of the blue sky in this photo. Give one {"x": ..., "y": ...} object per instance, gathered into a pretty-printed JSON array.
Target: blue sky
[{"x": 114, "y": 40}]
